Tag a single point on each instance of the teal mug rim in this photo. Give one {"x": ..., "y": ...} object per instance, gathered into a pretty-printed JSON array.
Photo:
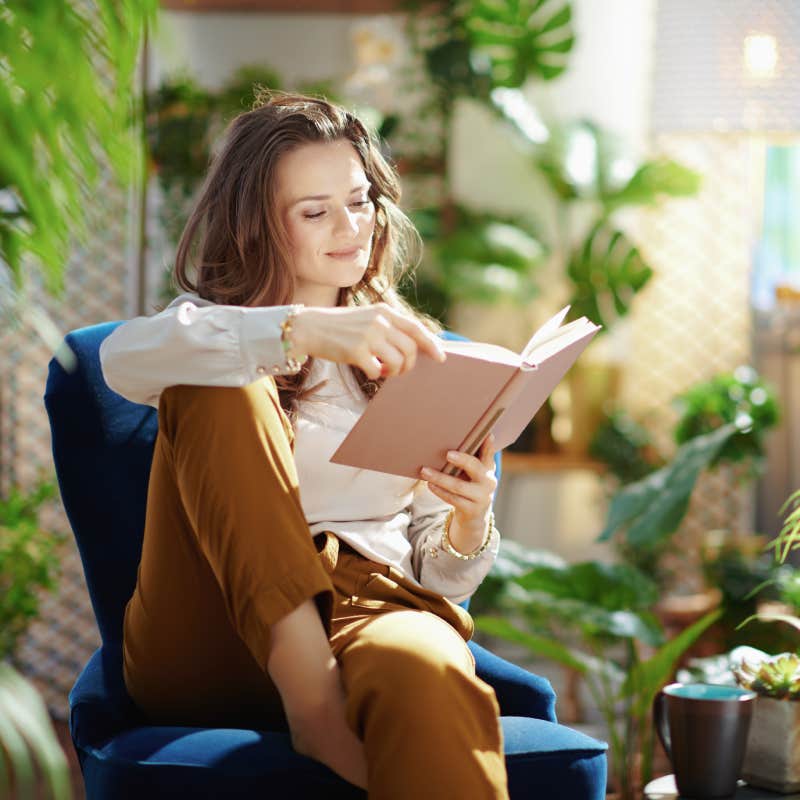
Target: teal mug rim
[{"x": 733, "y": 693}]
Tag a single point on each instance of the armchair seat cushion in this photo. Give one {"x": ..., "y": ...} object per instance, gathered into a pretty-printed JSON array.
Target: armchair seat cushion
[{"x": 550, "y": 760}]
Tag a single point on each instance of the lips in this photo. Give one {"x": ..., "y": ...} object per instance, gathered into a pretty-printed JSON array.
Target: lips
[{"x": 348, "y": 253}]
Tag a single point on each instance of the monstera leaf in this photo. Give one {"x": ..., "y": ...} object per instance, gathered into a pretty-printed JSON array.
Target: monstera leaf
[
  {"x": 652, "y": 181},
  {"x": 454, "y": 67},
  {"x": 606, "y": 272},
  {"x": 521, "y": 37}
]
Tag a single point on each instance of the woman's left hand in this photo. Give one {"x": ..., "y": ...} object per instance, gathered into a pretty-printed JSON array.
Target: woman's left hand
[{"x": 471, "y": 497}]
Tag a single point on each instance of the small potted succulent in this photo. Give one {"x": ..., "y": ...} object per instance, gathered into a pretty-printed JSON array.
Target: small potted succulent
[{"x": 772, "y": 760}]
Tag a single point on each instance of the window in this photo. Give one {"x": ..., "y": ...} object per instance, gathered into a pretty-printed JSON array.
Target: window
[{"x": 777, "y": 257}]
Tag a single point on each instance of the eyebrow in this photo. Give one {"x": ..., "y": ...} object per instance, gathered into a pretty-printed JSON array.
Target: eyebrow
[{"x": 355, "y": 189}]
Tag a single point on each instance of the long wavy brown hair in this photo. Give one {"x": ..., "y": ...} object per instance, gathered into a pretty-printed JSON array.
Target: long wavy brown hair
[{"x": 234, "y": 249}]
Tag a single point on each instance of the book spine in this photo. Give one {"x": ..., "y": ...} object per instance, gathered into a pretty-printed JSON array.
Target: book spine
[{"x": 483, "y": 427}]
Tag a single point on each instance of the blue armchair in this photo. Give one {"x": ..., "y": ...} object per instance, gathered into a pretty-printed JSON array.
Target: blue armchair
[{"x": 102, "y": 445}]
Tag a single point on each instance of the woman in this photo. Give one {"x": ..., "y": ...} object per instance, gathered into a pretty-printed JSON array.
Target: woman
[{"x": 276, "y": 587}]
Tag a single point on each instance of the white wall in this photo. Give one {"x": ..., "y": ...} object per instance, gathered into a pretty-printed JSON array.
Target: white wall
[{"x": 211, "y": 46}]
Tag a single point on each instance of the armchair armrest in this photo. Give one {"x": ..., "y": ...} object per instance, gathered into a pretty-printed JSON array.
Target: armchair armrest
[
  {"x": 99, "y": 704},
  {"x": 520, "y": 693}
]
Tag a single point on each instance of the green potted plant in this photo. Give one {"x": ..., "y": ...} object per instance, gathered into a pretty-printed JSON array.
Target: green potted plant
[
  {"x": 723, "y": 420},
  {"x": 772, "y": 760},
  {"x": 597, "y": 620}
]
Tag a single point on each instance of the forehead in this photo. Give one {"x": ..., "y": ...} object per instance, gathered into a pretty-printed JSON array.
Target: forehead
[{"x": 332, "y": 168}]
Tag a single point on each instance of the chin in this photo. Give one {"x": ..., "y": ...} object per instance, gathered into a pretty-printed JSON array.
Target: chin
[{"x": 353, "y": 276}]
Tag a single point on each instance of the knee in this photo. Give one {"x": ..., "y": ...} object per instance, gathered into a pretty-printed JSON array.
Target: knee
[
  {"x": 217, "y": 398},
  {"x": 412, "y": 654},
  {"x": 410, "y": 672},
  {"x": 225, "y": 407}
]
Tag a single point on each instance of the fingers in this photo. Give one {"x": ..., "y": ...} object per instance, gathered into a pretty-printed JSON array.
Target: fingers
[
  {"x": 406, "y": 345},
  {"x": 474, "y": 491},
  {"x": 395, "y": 339},
  {"x": 478, "y": 468},
  {"x": 487, "y": 451},
  {"x": 424, "y": 339},
  {"x": 462, "y": 504},
  {"x": 392, "y": 360}
]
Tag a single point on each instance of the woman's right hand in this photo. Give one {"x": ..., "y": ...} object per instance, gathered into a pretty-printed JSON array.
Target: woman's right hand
[{"x": 379, "y": 339}]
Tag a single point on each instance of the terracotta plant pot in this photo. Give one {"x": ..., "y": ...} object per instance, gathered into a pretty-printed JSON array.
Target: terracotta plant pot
[{"x": 772, "y": 759}]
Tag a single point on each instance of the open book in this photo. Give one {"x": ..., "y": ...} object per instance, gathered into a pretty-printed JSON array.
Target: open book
[{"x": 480, "y": 389}]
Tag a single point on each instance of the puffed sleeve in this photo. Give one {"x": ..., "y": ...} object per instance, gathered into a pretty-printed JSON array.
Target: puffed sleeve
[
  {"x": 436, "y": 569},
  {"x": 193, "y": 342}
]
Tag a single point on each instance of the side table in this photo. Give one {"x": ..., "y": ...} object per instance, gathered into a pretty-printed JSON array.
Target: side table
[{"x": 665, "y": 789}]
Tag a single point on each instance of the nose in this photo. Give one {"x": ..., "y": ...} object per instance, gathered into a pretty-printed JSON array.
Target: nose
[{"x": 346, "y": 222}]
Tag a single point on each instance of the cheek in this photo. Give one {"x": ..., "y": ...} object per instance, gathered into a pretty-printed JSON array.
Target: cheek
[{"x": 302, "y": 238}]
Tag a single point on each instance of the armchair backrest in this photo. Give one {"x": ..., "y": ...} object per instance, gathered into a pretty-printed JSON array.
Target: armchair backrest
[{"x": 103, "y": 448}]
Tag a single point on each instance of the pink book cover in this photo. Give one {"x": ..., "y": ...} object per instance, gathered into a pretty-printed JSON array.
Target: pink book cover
[{"x": 417, "y": 417}]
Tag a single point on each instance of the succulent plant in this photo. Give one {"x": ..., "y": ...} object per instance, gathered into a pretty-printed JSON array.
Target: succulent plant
[{"x": 775, "y": 676}]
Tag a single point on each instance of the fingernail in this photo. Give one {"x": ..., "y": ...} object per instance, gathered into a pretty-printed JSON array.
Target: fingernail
[
  {"x": 425, "y": 471},
  {"x": 453, "y": 455}
]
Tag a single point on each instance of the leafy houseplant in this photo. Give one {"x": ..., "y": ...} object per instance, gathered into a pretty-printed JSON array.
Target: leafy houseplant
[
  {"x": 28, "y": 562},
  {"x": 487, "y": 52},
  {"x": 61, "y": 119},
  {"x": 595, "y": 619},
  {"x": 723, "y": 420},
  {"x": 58, "y": 116},
  {"x": 740, "y": 397},
  {"x": 772, "y": 760}
]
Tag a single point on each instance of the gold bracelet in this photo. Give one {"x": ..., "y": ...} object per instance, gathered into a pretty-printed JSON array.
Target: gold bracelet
[
  {"x": 447, "y": 545},
  {"x": 292, "y": 365}
]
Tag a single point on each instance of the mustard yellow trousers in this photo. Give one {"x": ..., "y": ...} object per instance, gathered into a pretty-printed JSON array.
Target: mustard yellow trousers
[{"x": 227, "y": 552}]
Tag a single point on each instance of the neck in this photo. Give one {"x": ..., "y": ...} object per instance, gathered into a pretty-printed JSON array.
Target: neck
[{"x": 319, "y": 296}]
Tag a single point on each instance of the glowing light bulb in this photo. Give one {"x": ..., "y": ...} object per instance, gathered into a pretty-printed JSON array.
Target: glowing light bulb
[{"x": 760, "y": 55}]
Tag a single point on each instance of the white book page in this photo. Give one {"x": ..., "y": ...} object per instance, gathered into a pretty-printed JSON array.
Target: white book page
[
  {"x": 557, "y": 340},
  {"x": 490, "y": 352}
]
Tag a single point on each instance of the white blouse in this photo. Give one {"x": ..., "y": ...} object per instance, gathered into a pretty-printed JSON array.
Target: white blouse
[{"x": 387, "y": 518}]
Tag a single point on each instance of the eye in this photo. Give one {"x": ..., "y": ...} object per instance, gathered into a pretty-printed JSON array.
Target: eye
[
  {"x": 362, "y": 202},
  {"x": 314, "y": 216}
]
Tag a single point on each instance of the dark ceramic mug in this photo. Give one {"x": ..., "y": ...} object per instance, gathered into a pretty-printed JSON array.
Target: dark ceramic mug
[{"x": 704, "y": 730}]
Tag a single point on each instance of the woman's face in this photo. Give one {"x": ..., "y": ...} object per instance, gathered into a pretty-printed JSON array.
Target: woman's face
[{"x": 322, "y": 192}]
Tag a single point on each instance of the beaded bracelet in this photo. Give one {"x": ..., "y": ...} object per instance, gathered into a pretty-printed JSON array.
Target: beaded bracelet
[
  {"x": 447, "y": 545},
  {"x": 292, "y": 364}
]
